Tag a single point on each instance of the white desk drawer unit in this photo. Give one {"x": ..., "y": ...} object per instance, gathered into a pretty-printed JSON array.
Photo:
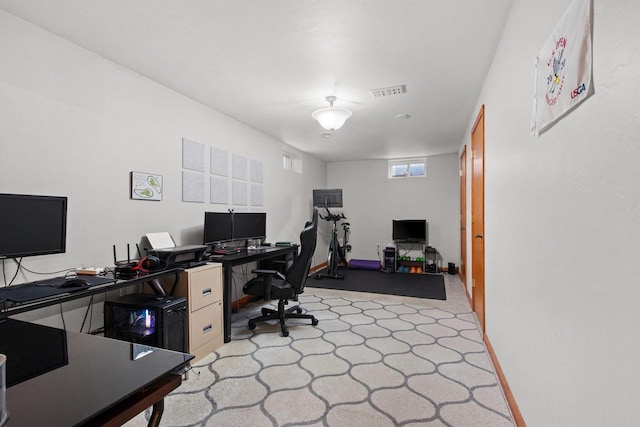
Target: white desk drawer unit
[{"x": 202, "y": 288}]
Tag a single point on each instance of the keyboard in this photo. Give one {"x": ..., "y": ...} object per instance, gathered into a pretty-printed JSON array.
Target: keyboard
[{"x": 225, "y": 251}]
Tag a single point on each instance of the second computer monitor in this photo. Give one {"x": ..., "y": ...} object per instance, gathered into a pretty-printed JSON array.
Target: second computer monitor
[
  {"x": 249, "y": 225},
  {"x": 218, "y": 228}
]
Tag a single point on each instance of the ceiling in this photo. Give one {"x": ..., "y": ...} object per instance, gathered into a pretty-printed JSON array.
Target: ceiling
[{"x": 271, "y": 63}]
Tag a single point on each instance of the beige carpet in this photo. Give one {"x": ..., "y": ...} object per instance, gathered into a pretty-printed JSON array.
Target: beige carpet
[{"x": 373, "y": 360}]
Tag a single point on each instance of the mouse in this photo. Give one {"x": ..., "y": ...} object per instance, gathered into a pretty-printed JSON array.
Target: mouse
[{"x": 76, "y": 282}]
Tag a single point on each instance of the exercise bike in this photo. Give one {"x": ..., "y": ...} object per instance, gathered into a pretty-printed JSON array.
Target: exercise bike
[{"x": 337, "y": 253}]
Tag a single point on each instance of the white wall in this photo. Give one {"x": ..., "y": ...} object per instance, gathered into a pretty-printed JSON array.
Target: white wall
[
  {"x": 75, "y": 124},
  {"x": 563, "y": 225},
  {"x": 372, "y": 201}
]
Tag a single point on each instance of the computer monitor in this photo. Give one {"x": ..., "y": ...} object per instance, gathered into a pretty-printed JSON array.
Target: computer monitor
[
  {"x": 32, "y": 225},
  {"x": 331, "y": 198},
  {"x": 249, "y": 225},
  {"x": 410, "y": 230},
  {"x": 218, "y": 228}
]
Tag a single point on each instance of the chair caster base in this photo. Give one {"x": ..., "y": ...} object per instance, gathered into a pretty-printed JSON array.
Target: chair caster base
[{"x": 281, "y": 315}]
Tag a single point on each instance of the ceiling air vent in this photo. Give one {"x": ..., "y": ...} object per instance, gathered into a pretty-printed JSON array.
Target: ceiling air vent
[{"x": 388, "y": 91}]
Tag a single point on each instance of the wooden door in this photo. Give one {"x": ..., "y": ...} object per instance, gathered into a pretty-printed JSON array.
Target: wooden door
[
  {"x": 477, "y": 217},
  {"x": 462, "y": 271}
]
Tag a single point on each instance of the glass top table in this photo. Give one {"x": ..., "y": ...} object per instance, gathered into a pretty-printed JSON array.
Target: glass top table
[{"x": 60, "y": 378}]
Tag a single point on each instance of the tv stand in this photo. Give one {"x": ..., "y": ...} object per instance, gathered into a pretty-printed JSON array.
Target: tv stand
[{"x": 430, "y": 261}]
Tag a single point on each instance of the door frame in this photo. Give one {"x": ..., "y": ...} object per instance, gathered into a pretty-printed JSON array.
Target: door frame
[
  {"x": 477, "y": 220},
  {"x": 462, "y": 271}
]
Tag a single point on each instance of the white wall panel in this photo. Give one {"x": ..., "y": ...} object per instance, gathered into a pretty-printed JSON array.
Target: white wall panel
[{"x": 562, "y": 228}]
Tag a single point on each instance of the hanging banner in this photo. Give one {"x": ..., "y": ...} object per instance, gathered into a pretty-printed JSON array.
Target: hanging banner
[{"x": 563, "y": 68}]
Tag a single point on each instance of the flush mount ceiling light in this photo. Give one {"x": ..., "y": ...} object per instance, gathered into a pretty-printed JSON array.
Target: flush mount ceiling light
[{"x": 331, "y": 118}]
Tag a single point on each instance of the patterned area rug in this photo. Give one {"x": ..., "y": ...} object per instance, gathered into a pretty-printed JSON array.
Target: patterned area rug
[{"x": 373, "y": 360}]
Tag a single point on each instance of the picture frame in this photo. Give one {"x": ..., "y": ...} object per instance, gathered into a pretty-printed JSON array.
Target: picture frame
[{"x": 145, "y": 186}]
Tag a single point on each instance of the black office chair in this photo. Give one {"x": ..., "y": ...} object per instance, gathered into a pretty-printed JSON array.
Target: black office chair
[{"x": 271, "y": 284}]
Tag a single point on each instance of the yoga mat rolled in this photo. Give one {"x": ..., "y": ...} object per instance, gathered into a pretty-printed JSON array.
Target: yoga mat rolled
[{"x": 364, "y": 264}]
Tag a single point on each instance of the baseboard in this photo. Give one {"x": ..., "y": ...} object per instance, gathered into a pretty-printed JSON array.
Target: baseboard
[
  {"x": 511, "y": 401},
  {"x": 241, "y": 302},
  {"x": 318, "y": 267}
]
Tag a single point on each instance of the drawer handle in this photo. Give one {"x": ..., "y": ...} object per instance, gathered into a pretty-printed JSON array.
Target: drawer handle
[
  {"x": 206, "y": 292},
  {"x": 207, "y": 328}
]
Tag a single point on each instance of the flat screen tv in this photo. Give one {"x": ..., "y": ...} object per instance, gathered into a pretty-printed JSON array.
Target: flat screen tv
[
  {"x": 249, "y": 225},
  {"x": 331, "y": 198},
  {"x": 218, "y": 228},
  {"x": 411, "y": 230},
  {"x": 32, "y": 225}
]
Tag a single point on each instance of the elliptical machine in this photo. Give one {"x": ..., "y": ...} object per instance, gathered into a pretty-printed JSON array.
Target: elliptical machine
[{"x": 337, "y": 253}]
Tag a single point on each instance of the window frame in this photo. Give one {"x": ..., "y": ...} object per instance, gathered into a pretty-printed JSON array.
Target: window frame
[
  {"x": 291, "y": 162},
  {"x": 408, "y": 162}
]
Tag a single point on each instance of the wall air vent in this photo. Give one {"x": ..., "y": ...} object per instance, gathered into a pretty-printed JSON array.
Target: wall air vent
[{"x": 388, "y": 91}]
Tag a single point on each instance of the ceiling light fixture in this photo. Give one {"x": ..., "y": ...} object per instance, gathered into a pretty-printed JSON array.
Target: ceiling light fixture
[{"x": 331, "y": 118}]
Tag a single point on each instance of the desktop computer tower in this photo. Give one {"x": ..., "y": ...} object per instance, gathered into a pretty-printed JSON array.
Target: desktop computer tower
[
  {"x": 157, "y": 321},
  {"x": 389, "y": 259}
]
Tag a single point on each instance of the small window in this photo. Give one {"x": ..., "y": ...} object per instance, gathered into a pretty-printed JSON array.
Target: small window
[
  {"x": 291, "y": 162},
  {"x": 408, "y": 168},
  {"x": 287, "y": 161}
]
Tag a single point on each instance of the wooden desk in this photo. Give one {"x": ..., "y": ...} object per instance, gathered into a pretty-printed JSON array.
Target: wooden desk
[
  {"x": 244, "y": 257},
  {"x": 61, "y": 378}
]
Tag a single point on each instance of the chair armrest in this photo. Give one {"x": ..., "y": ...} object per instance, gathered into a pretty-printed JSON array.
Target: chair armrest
[
  {"x": 269, "y": 273},
  {"x": 261, "y": 271},
  {"x": 267, "y": 276}
]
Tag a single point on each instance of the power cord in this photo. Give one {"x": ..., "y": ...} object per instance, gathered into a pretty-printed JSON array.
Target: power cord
[
  {"x": 64, "y": 325},
  {"x": 15, "y": 275},
  {"x": 89, "y": 313},
  {"x": 20, "y": 267}
]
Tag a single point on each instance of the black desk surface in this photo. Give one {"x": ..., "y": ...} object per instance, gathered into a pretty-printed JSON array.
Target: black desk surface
[
  {"x": 58, "y": 378},
  {"x": 249, "y": 255},
  {"x": 34, "y": 295}
]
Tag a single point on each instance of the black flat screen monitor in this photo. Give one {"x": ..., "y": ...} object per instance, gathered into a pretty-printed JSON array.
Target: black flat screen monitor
[
  {"x": 411, "y": 230},
  {"x": 249, "y": 225},
  {"x": 32, "y": 225},
  {"x": 218, "y": 228},
  {"x": 328, "y": 198}
]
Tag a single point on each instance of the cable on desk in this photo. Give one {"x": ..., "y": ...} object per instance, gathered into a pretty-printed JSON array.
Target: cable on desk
[
  {"x": 242, "y": 275},
  {"x": 89, "y": 312},
  {"x": 64, "y": 325},
  {"x": 67, "y": 271},
  {"x": 15, "y": 275}
]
